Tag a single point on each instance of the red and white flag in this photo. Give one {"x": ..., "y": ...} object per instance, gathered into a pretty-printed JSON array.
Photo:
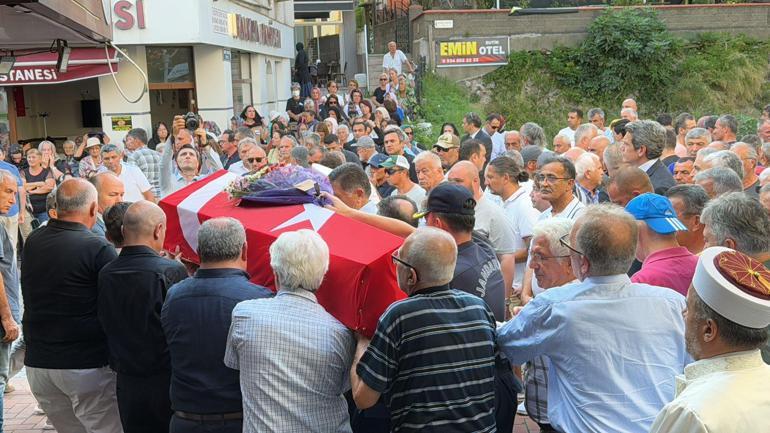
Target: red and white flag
[{"x": 361, "y": 282}]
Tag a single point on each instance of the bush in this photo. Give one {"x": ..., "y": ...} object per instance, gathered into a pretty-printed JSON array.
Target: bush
[
  {"x": 443, "y": 101},
  {"x": 629, "y": 53}
]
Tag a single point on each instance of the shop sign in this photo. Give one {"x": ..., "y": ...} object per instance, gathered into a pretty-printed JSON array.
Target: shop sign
[
  {"x": 443, "y": 24},
  {"x": 247, "y": 29},
  {"x": 219, "y": 21},
  {"x": 40, "y": 68},
  {"x": 126, "y": 18},
  {"x": 472, "y": 52},
  {"x": 121, "y": 123}
]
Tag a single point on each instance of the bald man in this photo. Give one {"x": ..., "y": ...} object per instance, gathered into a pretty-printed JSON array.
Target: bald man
[
  {"x": 132, "y": 289},
  {"x": 491, "y": 221},
  {"x": 630, "y": 103},
  {"x": 627, "y": 183},
  {"x": 411, "y": 364},
  {"x": 573, "y": 153},
  {"x": 109, "y": 192}
]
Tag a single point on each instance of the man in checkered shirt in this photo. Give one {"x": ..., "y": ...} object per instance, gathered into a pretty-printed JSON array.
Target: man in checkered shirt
[{"x": 143, "y": 157}]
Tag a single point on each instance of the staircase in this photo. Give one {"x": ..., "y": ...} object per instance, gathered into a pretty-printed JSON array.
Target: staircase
[{"x": 375, "y": 68}]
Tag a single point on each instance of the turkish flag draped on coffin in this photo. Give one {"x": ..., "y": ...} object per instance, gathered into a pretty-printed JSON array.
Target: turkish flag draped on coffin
[{"x": 361, "y": 282}]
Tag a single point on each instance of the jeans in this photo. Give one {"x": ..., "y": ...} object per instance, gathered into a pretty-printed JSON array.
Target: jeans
[{"x": 5, "y": 359}]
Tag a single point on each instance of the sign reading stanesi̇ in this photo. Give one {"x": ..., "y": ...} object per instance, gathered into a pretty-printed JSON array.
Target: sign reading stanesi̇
[{"x": 488, "y": 51}]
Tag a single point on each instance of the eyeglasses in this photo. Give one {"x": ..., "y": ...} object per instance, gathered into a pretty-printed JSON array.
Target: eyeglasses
[
  {"x": 392, "y": 171},
  {"x": 550, "y": 178},
  {"x": 397, "y": 261},
  {"x": 253, "y": 160},
  {"x": 541, "y": 258},
  {"x": 409, "y": 133},
  {"x": 565, "y": 243},
  {"x": 383, "y": 79}
]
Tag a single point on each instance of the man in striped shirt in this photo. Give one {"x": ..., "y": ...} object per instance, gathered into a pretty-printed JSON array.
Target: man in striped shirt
[{"x": 433, "y": 354}]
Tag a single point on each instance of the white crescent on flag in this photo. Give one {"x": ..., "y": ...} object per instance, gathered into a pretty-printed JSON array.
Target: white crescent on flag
[{"x": 189, "y": 207}]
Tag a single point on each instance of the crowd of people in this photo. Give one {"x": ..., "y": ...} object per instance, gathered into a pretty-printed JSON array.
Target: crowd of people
[{"x": 616, "y": 276}]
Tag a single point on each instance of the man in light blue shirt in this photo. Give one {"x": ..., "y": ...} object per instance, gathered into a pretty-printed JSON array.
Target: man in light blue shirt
[
  {"x": 13, "y": 218},
  {"x": 613, "y": 346}
]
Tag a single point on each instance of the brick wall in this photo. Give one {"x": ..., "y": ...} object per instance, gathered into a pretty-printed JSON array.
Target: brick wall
[{"x": 536, "y": 32}]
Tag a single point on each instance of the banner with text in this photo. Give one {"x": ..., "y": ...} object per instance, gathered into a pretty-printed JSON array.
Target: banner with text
[{"x": 472, "y": 52}]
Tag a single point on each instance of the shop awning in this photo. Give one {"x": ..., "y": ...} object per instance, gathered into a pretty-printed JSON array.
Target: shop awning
[
  {"x": 315, "y": 6},
  {"x": 40, "y": 68}
]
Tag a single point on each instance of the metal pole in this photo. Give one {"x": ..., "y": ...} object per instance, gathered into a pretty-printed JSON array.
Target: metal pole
[{"x": 366, "y": 54}]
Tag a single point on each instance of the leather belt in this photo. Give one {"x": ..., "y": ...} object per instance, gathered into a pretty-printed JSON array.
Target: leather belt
[{"x": 204, "y": 417}]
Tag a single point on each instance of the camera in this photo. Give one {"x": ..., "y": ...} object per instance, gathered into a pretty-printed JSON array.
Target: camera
[{"x": 191, "y": 121}]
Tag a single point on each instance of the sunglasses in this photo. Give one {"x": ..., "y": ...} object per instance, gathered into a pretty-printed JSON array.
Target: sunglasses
[
  {"x": 253, "y": 160},
  {"x": 392, "y": 171},
  {"x": 383, "y": 79},
  {"x": 440, "y": 149}
]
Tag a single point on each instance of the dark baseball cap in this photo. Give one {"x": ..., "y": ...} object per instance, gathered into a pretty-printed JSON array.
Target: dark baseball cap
[
  {"x": 377, "y": 160},
  {"x": 449, "y": 198}
]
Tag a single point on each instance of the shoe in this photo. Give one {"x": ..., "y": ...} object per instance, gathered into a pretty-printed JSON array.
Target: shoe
[
  {"x": 38, "y": 411},
  {"x": 48, "y": 425},
  {"x": 9, "y": 388},
  {"x": 521, "y": 410}
]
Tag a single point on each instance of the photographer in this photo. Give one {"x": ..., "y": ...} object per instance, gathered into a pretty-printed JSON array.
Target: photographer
[{"x": 188, "y": 131}]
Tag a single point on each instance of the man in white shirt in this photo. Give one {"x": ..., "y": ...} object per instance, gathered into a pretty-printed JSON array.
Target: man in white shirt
[
  {"x": 574, "y": 119},
  {"x": 502, "y": 179},
  {"x": 726, "y": 320},
  {"x": 395, "y": 59},
  {"x": 137, "y": 187}
]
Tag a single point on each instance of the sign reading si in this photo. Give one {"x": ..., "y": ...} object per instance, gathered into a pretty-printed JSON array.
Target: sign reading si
[
  {"x": 472, "y": 52},
  {"x": 126, "y": 20}
]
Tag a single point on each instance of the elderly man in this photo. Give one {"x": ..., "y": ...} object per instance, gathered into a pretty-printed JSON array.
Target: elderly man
[
  {"x": 726, "y": 129},
  {"x": 626, "y": 184},
  {"x": 727, "y": 159},
  {"x": 136, "y": 185},
  {"x": 399, "y": 207},
  {"x": 700, "y": 163},
  {"x": 584, "y": 134},
  {"x": 512, "y": 141},
  {"x": 684, "y": 171},
  {"x": 574, "y": 119},
  {"x": 11, "y": 219},
  {"x": 557, "y": 181},
  {"x": 561, "y": 144},
  {"x": 245, "y": 146},
  {"x": 688, "y": 202},
  {"x": 67, "y": 350},
  {"x": 143, "y": 157},
  {"x": 532, "y": 134},
  {"x": 110, "y": 191},
  {"x": 429, "y": 170},
  {"x": 205, "y": 393},
  {"x": 749, "y": 158},
  {"x": 298, "y": 386},
  {"x": 352, "y": 186},
  {"x": 695, "y": 140},
  {"x": 365, "y": 149},
  {"x": 764, "y": 197},
  {"x": 718, "y": 180},
  {"x": 629, "y": 103},
  {"x": 9, "y": 282},
  {"x": 589, "y": 176},
  {"x": 503, "y": 178},
  {"x": 597, "y": 117},
  {"x": 132, "y": 289},
  {"x": 491, "y": 221},
  {"x": 642, "y": 147},
  {"x": 612, "y": 159},
  {"x": 629, "y": 114},
  {"x": 635, "y": 340},
  {"x": 395, "y": 59},
  {"x": 664, "y": 262},
  {"x": 551, "y": 265},
  {"x": 229, "y": 145},
  {"x": 725, "y": 323},
  {"x": 739, "y": 222},
  {"x": 414, "y": 367},
  {"x": 447, "y": 147}
]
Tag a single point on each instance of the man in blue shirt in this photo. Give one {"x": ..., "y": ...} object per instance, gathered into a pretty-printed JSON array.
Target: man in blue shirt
[
  {"x": 196, "y": 317},
  {"x": 13, "y": 218},
  {"x": 614, "y": 347}
]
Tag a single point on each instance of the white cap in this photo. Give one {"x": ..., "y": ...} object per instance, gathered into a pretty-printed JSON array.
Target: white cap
[
  {"x": 93, "y": 141},
  {"x": 734, "y": 285}
]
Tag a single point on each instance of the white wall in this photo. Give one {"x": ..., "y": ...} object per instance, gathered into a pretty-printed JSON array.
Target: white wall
[
  {"x": 213, "y": 84},
  {"x": 113, "y": 104}
]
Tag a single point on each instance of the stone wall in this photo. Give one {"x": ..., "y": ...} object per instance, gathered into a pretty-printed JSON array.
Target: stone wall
[{"x": 537, "y": 32}]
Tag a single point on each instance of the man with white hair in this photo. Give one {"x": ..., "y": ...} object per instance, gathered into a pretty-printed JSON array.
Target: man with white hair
[
  {"x": 422, "y": 373},
  {"x": 196, "y": 316},
  {"x": 561, "y": 144},
  {"x": 726, "y": 129},
  {"x": 629, "y": 334},
  {"x": 584, "y": 134},
  {"x": 596, "y": 116},
  {"x": 749, "y": 158},
  {"x": 695, "y": 140},
  {"x": 512, "y": 141},
  {"x": 10, "y": 310},
  {"x": 429, "y": 170},
  {"x": 642, "y": 146},
  {"x": 629, "y": 103},
  {"x": 245, "y": 146},
  {"x": 726, "y": 159},
  {"x": 297, "y": 386},
  {"x": 718, "y": 180},
  {"x": 589, "y": 174},
  {"x": 551, "y": 264},
  {"x": 629, "y": 114}
]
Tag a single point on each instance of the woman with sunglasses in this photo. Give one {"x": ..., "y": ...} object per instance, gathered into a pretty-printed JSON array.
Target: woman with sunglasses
[{"x": 378, "y": 97}]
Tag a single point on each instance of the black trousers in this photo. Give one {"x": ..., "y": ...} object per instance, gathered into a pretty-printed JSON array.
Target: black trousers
[
  {"x": 144, "y": 403},
  {"x": 506, "y": 389},
  {"x": 179, "y": 425}
]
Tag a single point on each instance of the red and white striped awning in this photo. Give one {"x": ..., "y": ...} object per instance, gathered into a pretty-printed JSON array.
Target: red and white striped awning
[{"x": 40, "y": 68}]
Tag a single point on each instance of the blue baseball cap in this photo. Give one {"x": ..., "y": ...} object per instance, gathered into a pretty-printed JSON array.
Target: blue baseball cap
[
  {"x": 657, "y": 212},
  {"x": 377, "y": 160}
]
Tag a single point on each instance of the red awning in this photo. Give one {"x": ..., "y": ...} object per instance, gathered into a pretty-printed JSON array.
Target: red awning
[{"x": 41, "y": 68}]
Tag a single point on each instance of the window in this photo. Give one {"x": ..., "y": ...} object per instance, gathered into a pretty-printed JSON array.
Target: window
[
  {"x": 167, "y": 65},
  {"x": 241, "y": 76}
]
